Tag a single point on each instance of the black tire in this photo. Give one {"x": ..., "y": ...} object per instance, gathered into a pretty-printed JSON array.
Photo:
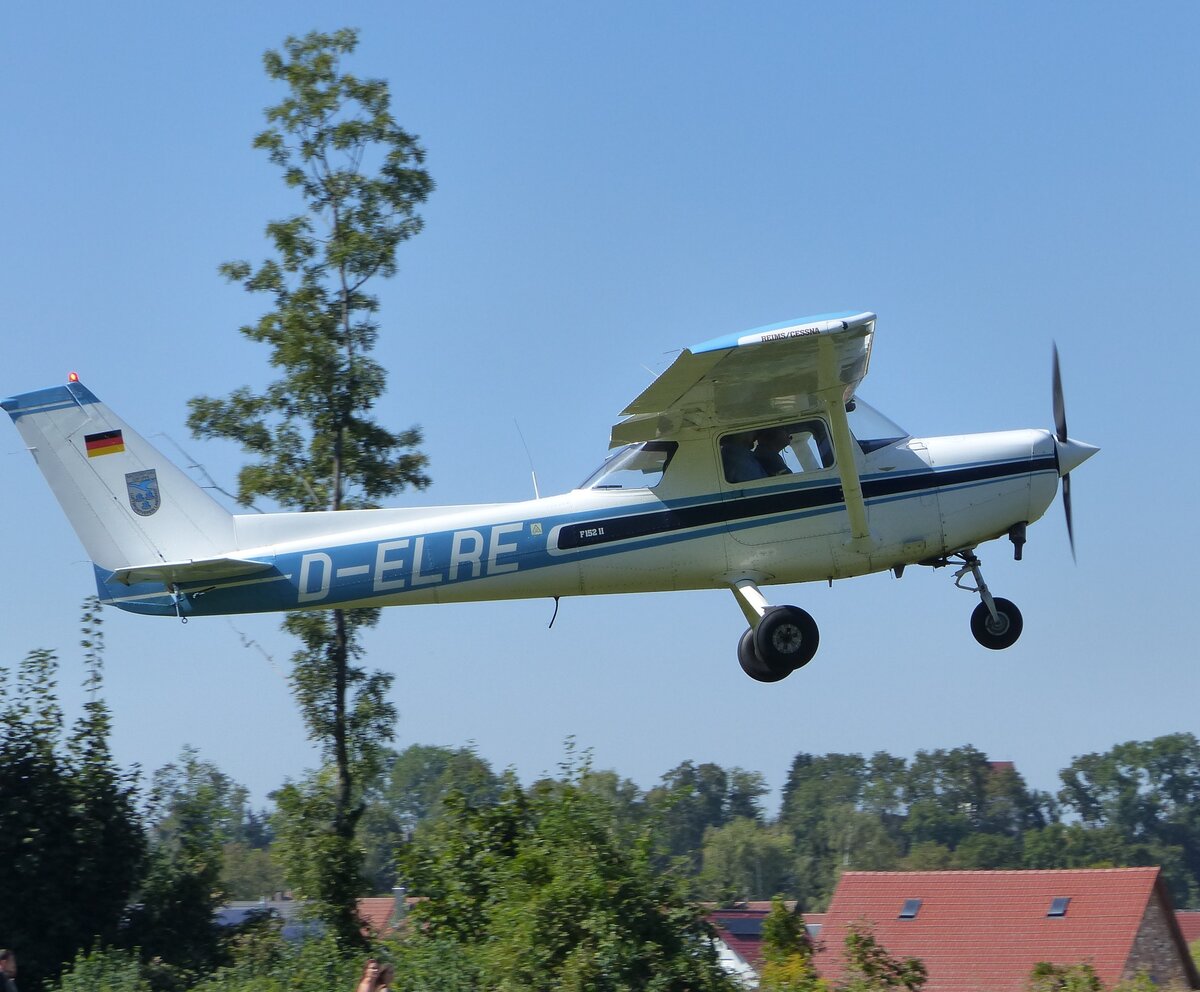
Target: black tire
[
  {"x": 1003, "y": 634},
  {"x": 786, "y": 638},
  {"x": 753, "y": 665}
]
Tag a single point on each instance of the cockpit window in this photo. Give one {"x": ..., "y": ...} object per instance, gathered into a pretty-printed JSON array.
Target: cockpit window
[
  {"x": 636, "y": 466},
  {"x": 787, "y": 449},
  {"x": 871, "y": 429}
]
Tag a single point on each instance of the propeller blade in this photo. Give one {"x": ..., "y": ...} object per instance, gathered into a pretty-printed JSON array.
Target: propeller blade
[
  {"x": 1066, "y": 494},
  {"x": 1060, "y": 410}
]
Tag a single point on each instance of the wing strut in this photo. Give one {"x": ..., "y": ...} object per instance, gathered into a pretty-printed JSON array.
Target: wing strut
[{"x": 834, "y": 400}]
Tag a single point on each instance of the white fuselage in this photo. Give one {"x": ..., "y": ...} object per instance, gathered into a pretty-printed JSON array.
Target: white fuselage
[{"x": 925, "y": 498}]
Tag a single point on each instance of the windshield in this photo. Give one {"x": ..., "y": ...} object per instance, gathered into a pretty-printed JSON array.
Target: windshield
[
  {"x": 871, "y": 429},
  {"x": 636, "y": 466}
]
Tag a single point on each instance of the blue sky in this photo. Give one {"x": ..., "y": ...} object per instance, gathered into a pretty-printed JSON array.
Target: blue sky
[{"x": 615, "y": 182}]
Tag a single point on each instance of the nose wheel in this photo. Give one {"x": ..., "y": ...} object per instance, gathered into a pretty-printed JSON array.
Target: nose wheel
[
  {"x": 1000, "y": 631},
  {"x": 996, "y": 622}
]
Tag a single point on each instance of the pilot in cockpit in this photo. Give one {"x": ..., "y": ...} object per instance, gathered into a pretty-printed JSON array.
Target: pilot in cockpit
[
  {"x": 737, "y": 458},
  {"x": 767, "y": 447}
]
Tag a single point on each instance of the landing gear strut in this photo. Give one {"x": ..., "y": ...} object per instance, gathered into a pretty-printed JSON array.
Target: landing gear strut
[
  {"x": 996, "y": 623},
  {"x": 780, "y": 639}
]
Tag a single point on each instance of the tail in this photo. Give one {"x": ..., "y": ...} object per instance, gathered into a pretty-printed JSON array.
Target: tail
[{"x": 139, "y": 517}]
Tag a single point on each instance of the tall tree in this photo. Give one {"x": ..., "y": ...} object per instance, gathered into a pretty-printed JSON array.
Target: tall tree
[
  {"x": 310, "y": 433},
  {"x": 109, "y": 837},
  {"x": 745, "y": 859},
  {"x": 70, "y": 839},
  {"x": 410, "y": 792},
  {"x": 195, "y": 810}
]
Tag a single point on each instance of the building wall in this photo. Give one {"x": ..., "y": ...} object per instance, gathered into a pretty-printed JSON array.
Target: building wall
[{"x": 1154, "y": 950}]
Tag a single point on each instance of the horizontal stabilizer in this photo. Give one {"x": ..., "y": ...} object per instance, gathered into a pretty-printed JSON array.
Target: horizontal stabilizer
[{"x": 203, "y": 570}]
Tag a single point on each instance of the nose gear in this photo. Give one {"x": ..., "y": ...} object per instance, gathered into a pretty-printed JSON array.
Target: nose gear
[{"x": 996, "y": 623}]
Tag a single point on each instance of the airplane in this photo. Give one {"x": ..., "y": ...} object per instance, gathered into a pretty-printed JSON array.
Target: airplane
[{"x": 751, "y": 461}]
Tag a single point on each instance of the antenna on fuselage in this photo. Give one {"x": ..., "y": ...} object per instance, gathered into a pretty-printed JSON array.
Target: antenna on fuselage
[{"x": 532, "y": 470}]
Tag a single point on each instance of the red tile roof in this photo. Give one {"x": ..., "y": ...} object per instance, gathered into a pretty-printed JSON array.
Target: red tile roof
[
  {"x": 987, "y": 929},
  {"x": 1189, "y": 924},
  {"x": 376, "y": 913}
]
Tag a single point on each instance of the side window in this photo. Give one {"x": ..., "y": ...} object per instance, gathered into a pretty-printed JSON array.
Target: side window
[
  {"x": 787, "y": 449},
  {"x": 636, "y": 466}
]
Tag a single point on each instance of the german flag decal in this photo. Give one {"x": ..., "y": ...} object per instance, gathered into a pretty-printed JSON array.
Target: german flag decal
[{"x": 108, "y": 443}]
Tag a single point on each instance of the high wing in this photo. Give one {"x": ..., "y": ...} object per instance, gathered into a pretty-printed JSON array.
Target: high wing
[{"x": 785, "y": 370}]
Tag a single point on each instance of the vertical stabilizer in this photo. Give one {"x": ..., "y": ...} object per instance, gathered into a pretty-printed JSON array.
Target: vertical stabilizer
[{"x": 127, "y": 503}]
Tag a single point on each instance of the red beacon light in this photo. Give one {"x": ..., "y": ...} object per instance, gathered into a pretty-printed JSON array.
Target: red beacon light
[{"x": 72, "y": 377}]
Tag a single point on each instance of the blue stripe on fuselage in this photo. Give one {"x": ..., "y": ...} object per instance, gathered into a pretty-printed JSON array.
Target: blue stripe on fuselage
[{"x": 325, "y": 577}]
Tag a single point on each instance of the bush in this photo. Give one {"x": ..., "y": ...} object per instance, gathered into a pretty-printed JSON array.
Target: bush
[{"x": 106, "y": 969}]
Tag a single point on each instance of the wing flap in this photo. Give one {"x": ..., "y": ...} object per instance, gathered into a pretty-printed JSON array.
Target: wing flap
[{"x": 202, "y": 570}]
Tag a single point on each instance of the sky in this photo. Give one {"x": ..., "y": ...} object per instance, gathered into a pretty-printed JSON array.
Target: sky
[{"x": 615, "y": 182}]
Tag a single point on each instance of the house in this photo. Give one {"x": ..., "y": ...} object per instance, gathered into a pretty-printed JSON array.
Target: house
[
  {"x": 986, "y": 930},
  {"x": 380, "y": 915},
  {"x": 739, "y": 936},
  {"x": 383, "y": 914}
]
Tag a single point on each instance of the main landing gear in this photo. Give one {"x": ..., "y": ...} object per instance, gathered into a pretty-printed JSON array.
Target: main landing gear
[
  {"x": 780, "y": 639},
  {"x": 995, "y": 623}
]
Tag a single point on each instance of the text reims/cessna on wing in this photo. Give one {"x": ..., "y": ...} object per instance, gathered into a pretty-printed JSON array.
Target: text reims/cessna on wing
[{"x": 749, "y": 462}]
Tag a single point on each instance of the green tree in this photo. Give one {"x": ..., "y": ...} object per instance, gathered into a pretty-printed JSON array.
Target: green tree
[
  {"x": 787, "y": 953},
  {"x": 745, "y": 859},
  {"x": 109, "y": 841},
  {"x": 692, "y": 798},
  {"x": 870, "y": 968},
  {"x": 1149, "y": 793},
  {"x": 195, "y": 810},
  {"x": 68, "y": 821},
  {"x": 103, "y": 969},
  {"x": 411, "y": 792},
  {"x": 821, "y": 801},
  {"x": 315, "y": 446},
  {"x": 545, "y": 891},
  {"x": 987, "y": 851},
  {"x": 249, "y": 872}
]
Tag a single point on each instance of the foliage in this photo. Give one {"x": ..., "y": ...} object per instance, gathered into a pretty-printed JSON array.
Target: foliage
[
  {"x": 310, "y": 434},
  {"x": 1148, "y": 794},
  {"x": 411, "y": 792},
  {"x": 543, "y": 890},
  {"x": 268, "y": 963},
  {"x": 321, "y": 863},
  {"x": 869, "y": 967},
  {"x": 693, "y": 798},
  {"x": 262, "y": 962},
  {"x": 944, "y": 809},
  {"x": 787, "y": 953},
  {"x": 1047, "y": 977},
  {"x": 745, "y": 859},
  {"x": 249, "y": 872},
  {"x": 195, "y": 810},
  {"x": 104, "y": 970},
  {"x": 68, "y": 819}
]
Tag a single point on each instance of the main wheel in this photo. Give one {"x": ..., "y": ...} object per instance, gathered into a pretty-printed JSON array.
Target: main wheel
[
  {"x": 786, "y": 638},
  {"x": 1001, "y": 632},
  {"x": 753, "y": 665}
]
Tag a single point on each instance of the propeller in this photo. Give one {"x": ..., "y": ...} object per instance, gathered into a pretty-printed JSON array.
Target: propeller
[
  {"x": 1060, "y": 430},
  {"x": 1070, "y": 453}
]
